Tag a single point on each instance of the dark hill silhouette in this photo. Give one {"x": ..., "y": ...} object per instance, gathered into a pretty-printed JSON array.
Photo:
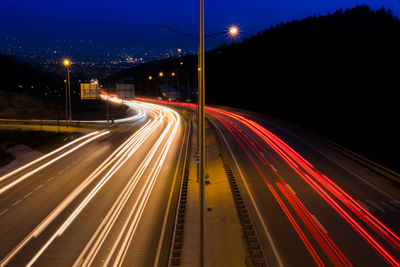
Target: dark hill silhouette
[
  {"x": 30, "y": 93},
  {"x": 336, "y": 75}
]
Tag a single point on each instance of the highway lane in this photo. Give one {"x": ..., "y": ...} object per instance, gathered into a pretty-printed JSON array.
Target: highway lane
[
  {"x": 311, "y": 210},
  {"x": 27, "y": 203},
  {"x": 82, "y": 196},
  {"x": 310, "y": 205}
]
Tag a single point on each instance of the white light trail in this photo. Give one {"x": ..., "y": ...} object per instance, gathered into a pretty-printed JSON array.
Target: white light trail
[
  {"x": 123, "y": 155},
  {"x": 46, "y": 156},
  {"x": 124, "y": 151},
  {"x": 25, "y": 176}
]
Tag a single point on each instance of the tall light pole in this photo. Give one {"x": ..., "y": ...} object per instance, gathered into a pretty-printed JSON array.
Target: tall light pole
[
  {"x": 233, "y": 32},
  {"x": 201, "y": 134},
  {"x": 67, "y": 64}
]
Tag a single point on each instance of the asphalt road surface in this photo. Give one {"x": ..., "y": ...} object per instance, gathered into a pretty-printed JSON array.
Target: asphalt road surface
[
  {"x": 107, "y": 198},
  {"x": 310, "y": 205}
]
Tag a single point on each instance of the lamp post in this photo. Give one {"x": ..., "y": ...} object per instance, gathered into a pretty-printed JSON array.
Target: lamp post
[
  {"x": 150, "y": 78},
  {"x": 201, "y": 134},
  {"x": 67, "y": 64},
  {"x": 160, "y": 75},
  {"x": 232, "y": 31}
]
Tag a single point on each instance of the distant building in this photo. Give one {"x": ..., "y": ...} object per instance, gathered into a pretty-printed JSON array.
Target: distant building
[
  {"x": 169, "y": 93},
  {"x": 125, "y": 91}
]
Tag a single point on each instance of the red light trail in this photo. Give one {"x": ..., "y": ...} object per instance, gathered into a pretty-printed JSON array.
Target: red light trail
[{"x": 242, "y": 130}]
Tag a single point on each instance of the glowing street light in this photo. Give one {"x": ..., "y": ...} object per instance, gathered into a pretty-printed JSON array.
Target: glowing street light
[
  {"x": 150, "y": 78},
  {"x": 67, "y": 64},
  {"x": 161, "y": 74},
  {"x": 233, "y": 31},
  {"x": 173, "y": 74}
]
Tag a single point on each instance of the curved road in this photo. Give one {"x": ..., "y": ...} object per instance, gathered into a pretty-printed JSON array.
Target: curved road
[{"x": 102, "y": 199}]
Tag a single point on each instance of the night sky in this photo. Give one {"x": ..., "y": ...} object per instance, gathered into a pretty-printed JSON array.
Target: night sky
[
  {"x": 251, "y": 14},
  {"x": 138, "y": 24}
]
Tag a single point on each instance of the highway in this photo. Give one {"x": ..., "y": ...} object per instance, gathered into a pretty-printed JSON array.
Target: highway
[
  {"x": 310, "y": 205},
  {"x": 106, "y": 198}
]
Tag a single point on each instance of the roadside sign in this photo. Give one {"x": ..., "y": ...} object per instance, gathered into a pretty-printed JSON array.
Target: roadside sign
[
  {"x": 125, "y": 91},
  {"x": 89, "y": 91}
]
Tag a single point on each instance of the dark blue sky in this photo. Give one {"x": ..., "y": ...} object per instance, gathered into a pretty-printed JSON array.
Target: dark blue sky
[
  {"x": 138, "y": 23},
  {"x": 249, "y": 13}
]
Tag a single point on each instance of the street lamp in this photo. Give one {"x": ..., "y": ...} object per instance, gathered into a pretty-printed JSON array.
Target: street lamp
[
  {"x": 161, "y": 74},
  {"x": 67, "y": 64},
  {"x": 233, "y": 31},
  {"x": 201, "y": 134}
]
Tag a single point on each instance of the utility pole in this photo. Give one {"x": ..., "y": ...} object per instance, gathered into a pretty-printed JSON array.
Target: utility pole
[
  {"x": 201, "y": 134},
  {"x": 108, "y": 106},
  {"x": 66, "y": 101},
  {"x": 69, "y": 95},
  {"x": 67, "y": 63}
]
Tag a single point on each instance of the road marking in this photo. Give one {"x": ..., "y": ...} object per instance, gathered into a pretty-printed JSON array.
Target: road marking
[
  {"x": 273, "y": 167},
  {"x": 357, "y": 175},
  {"x": 130, "y": 150},
  {"x": 267, "y": 232},
  {"x": 4, "y": 211},
  {"x": 40, "y": 186},
  {"x": 51, "y": 178},
  {"x": 375, "y": 205},
  {"x": 365, "y": 206},
  {"x": 159, "y": 247},
  {"x": 291, "y": 189},
  {"x": 17, "y": 202},
  {"x": 45, "y": 156},
  {"x": 60, "y": 172},
  {"x": 320, "y": 224},
  {"x": 22, "y": 178},
  {"x": 389, "y": 207},
  {"x": 27, "y": 195}
]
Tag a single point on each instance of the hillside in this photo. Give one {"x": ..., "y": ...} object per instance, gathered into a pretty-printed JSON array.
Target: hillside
[
  {"x": 335, "y": 75},
  {"x": 29, "y": 93}
]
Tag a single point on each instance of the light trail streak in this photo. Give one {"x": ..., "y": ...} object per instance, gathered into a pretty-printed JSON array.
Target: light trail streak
[
  {"x": 294, "y": 160},
  {"x": 131, "y": 143},
  {"x": 301, "y": 166},
  {"x": 141, "y": 112},
  {"x": 319, "y": 234},
  {"x": 25, "y": 176},
  {"x": 46, "y": 156},
  {"x": 50, "y": 218},
  {"x": 254, "y": 203},
  {"x": 133, "y": 146},
  {"x": 306, "y": 242},
  {"x": 143, "y": 198}
]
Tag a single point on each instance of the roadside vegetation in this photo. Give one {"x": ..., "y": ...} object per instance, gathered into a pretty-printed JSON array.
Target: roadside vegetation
[
  {"x": 5, "y": 158},
  {"x": 38, "y": 140},
  {"x": 330, "y": 74}
]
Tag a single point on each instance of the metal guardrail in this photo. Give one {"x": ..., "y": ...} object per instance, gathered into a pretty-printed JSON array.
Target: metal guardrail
[
  {"x": 373, "y": 166},
  {"x": 53, "y": 123},
  {"x": 256, "y": 253},
  {"x": 175, "y": 257}
]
